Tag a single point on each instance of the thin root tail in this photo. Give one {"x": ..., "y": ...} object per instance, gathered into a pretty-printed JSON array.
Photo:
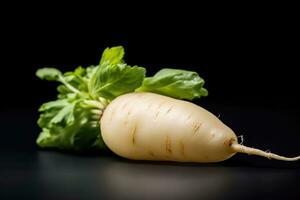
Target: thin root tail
[{"x": 252, "y": 151}]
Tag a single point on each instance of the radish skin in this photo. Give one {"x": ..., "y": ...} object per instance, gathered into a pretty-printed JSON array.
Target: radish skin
[{"x": 148, "y": 126}]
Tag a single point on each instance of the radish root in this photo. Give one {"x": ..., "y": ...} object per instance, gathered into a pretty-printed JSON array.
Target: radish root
[
  {"x": 252, "y": 151},
  {"x": 241, "y": 137}
]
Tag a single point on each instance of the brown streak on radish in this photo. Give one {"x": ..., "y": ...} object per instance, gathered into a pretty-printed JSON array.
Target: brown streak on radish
[
  {"x": 157, "y": 113},
  {"x": 168, "y": 145},
  {"x": 124, "y": 106},
  {"x": 126, "y": 119},
  {"x": 196, "y": 128},
  {"x": 151, "y": 153},
  {"x": 133, "y": 133},
  {"x": 169, "y": 110},
  {"x": 231, "y": 141},
  {"x": 189, "y": 117},
  {"x": 111, "y": 115}
]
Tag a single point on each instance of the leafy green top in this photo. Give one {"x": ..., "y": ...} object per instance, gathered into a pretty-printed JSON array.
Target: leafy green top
[{"x": 72, "y": 121}]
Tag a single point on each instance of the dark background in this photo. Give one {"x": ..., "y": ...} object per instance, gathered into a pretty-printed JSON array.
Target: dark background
[
  {"x": 247, "y": 57},
  {"x": 250, "y": 62},
  {"x": 246, "y": 65}
]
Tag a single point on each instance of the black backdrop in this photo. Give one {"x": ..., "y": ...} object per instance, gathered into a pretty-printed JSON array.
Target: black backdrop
[{"x": 244, "y": 60}]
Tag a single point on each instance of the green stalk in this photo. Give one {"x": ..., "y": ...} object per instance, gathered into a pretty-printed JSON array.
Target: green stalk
[{"x": 70, "y": 87}]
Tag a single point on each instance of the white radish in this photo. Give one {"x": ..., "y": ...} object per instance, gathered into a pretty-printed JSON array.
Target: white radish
[{"x": 147, "y": 126}]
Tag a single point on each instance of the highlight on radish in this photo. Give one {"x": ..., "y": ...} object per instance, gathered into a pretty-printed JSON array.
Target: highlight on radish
[{"x": 115, "y": 106}]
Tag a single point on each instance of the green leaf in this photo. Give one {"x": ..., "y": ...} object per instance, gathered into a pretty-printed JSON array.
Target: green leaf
[
  {"x": 74, "y": 127},
  {"x": 181, "y": 84},
  {"x": 76, "y": 81},
  {"x": 49, "y": 74},
  {"x": 53, "y": 104},
  {"x": 112, "y": 55},
  {"x": 50, "y": 110},
  {"x": 65, "y": 114},
  {"x": 56, "y": 112},
  {"x": 114, "y": 80}
]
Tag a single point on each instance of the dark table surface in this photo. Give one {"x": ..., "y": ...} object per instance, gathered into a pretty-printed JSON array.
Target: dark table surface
[{"x": 27, "y": 172}]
